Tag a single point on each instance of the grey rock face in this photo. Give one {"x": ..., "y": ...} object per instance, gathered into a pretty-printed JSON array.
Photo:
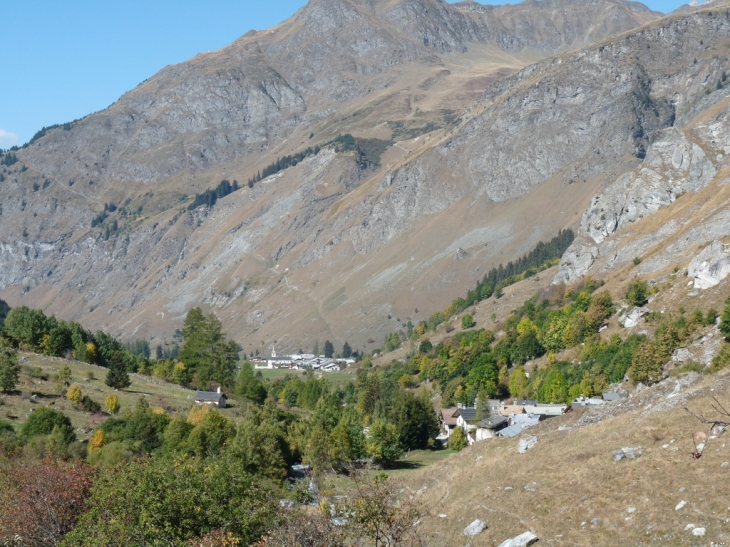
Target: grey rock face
[
  {"x": 673, "y": 166},
  {"x": 632, "y": 318},
  {"x": 475, "y": 528},
  {"x": 523, "y": 540},
  {"x": 711, "y": 266}
]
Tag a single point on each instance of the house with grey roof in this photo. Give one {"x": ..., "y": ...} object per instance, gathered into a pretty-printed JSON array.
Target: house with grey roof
[
  {"x": 510, "y": 431},
  {"x": 586, "y": 401},
  {"x": 476, "y": 428},
  {"x": 546, "y": 409},
  {"x": 213, "y": 398}
]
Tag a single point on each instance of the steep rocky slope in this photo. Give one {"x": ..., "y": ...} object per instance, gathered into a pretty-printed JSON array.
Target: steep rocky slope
[
  {"x": 329, "y": 249},
  {"x": 686, "y": 164}
]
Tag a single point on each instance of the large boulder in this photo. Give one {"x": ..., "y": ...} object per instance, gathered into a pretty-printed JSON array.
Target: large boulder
[
  {"x": 475, "y": 528},
  {"x": 632, "y": 318},
  {"x": 711, "y": 266}
]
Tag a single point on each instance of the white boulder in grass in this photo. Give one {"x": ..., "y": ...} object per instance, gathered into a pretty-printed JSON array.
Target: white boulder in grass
[
  {"x": 526, "y": 443},
  {"x": 475, "y": 528},
  {"x": 523, "y": 540}
]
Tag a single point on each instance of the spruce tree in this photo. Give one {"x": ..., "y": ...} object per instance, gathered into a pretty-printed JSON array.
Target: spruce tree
[
  {"x": 117, "y": 376},
  {"x": 329, "y": 349},
  {"x": 9, "y": 367}
]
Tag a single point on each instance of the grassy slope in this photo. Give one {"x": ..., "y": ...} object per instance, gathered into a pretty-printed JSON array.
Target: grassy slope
[
  {"x": 90, "y": 378},
  {"x": 577, "y": 481}
]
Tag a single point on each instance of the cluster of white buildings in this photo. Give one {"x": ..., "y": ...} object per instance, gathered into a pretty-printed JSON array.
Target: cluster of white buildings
[
  {"x": 301, "y": 361},
  {"x": 500, "y": 419}
]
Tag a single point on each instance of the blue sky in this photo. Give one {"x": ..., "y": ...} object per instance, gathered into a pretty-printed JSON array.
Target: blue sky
[{"x": 63, "y": 60}]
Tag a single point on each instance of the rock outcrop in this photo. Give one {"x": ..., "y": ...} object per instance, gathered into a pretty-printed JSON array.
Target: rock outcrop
[
  {"x": 711, "y": 266},
  {"x": 676, "y": 163}
]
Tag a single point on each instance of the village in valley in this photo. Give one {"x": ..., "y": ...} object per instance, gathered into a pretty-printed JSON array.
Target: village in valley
[
  {"x": 495, "y": 418},
  {"x": 301, "y": 361}
]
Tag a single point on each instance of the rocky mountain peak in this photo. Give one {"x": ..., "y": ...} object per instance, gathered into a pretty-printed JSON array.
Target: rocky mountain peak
[{"x": 449, "y": 127}]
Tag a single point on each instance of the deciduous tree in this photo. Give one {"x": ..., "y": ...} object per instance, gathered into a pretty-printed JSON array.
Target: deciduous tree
[
  {"x": 41, "y": 502},
  {"x": 112, "y": 403},
  {"x": 384, "y": 445},
  {"x": 74, "y": 394}
]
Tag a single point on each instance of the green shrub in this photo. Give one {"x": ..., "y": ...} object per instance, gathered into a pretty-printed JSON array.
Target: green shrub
[
  {"x": 37, "y": 373},
  {"x": 725, "y": 321},
  {"x": 42, "y": 422},
  {"x": 710, "y": 317},
  {"x": 90, "y": 405},
  {"x": 161, "y": 501},
  {"x": 638, "y": 293}
]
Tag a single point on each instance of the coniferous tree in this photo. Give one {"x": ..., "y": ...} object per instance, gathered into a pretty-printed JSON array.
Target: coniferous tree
[
  {"x": 9, "y": 367},
  {"x": 206, "y": 352},
  {"x": 249, "y": 386},
  {"x": 4, "y": 309},
  {"x": 117, "y": 376},
  {"x": 346, "y": 350},
  {"x": 329, "y": 349}
]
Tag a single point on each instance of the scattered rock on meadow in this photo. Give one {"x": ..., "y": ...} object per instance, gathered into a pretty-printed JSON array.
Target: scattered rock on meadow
[
  {"x": 526, "y": 443},
  {"x": 680, "y": 505},
  {"x": 626, "y": 452},
  {"x": 632, "y": 318},
  {"x": 681, "y": 355},
  {"x": 475, "y": 528},
  {"x": 523, "y": 540}
]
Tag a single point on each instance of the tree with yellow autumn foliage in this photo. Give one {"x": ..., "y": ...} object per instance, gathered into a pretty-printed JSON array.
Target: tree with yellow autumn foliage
[
  {"x": 74, "y": 394},
  {"x": 112, "y": 403}
]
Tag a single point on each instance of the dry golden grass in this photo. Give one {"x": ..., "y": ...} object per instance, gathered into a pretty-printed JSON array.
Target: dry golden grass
[{"x": 577, "y": 480}]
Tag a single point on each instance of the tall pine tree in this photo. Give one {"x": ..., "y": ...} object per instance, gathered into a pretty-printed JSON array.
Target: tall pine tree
[
  {"x": 117, "y": 376},
  {"x": 9, "y": 367},
  {"x": 206, "y": 351}
]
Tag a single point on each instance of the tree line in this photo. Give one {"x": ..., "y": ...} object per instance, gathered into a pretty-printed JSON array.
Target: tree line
[
  {"x": 32, "y": 330},
  {"x": 209, "y": 197},
  {"x": 283, "y": 163}
]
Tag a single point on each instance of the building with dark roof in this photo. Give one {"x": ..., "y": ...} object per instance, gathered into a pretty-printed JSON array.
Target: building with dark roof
[{"x": 214, "y": 398}]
